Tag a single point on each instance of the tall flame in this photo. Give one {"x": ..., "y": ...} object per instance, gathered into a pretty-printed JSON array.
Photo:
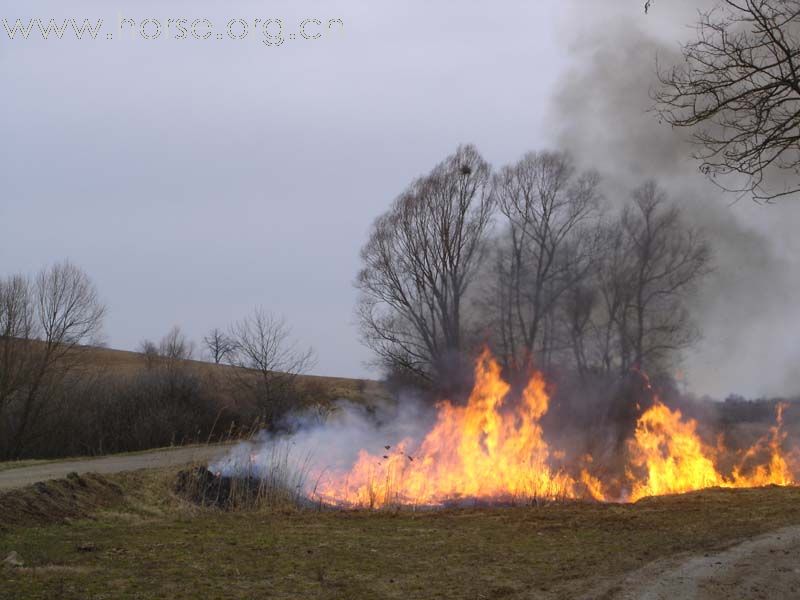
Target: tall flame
[
  {"x": 776, "y": 470},
  {"x": 675, "y": 460},
  {"x": 493, "y": 449},
  {"x": 485, "y": 449},
  {"x": 671, "y": 453}
]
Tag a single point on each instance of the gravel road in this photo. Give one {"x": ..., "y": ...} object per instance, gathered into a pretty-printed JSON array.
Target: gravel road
[
  {"x": 766, "y": 567},
  {"x": 168, "y": 457}
]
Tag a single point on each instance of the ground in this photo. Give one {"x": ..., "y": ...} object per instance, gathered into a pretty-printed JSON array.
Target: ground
[
  {"x": 21, "y": 473},
  {"x": 765, "y": 567},
  {"x": 128, "y": 536}
]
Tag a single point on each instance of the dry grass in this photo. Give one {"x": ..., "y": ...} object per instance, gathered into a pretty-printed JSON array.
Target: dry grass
[
  {"x": 275, "y": 484},
  {"x": 76, "y": 496},
  {"x": 152, "y": 544},
  {"x": 124, "y": 362}
]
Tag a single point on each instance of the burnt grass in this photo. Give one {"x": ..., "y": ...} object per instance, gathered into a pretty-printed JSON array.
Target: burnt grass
[
  {"x": 200, "y": 486},
  {"x": 134, "y": 535}
]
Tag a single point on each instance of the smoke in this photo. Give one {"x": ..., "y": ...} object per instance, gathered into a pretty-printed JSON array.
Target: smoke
[
  {"x": 317, "y": 446},
  {"x": 747, "y": 309}
]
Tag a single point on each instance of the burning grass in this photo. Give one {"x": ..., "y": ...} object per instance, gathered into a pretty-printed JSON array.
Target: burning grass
[
  {"x": 494, "y": 449},
  {"x": 152, "y": 544}
]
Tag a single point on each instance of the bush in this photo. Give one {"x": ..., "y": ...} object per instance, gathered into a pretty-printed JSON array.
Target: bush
[{"x": 112, "y": 413}]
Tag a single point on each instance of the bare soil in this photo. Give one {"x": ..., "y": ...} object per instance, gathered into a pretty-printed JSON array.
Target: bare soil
[{"x": 765, "y": 567}]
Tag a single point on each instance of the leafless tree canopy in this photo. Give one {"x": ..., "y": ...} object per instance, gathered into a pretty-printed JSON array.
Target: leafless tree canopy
[
  {"x": 68, "y": 309},
  {"x": 419, "y": 262},
  {"x": 568, "y": 284},
  {"x": 267, "y": 361},
  {"x": 42, "y": 321},
  {"x": 739, "y": 88},
  {"x": 171, "y": 351},
  {"x": 663, "y": 260},
  {"x": 545, "y": 251},
  {"x": 631, "y": 309},
  {"x": 218, "y": 345}
]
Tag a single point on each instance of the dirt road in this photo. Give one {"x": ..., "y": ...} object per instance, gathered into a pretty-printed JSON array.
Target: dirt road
[
  {"x": 21, "y": 476},
  {"x": 765, "y": 567}
]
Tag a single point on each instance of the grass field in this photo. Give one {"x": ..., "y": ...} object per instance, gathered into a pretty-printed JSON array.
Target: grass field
[
  {"x": 128, "y": 536},
  {"x": 124, "y": 362}
]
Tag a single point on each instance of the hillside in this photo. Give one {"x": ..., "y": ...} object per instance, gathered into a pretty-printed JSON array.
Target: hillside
[
  {"x": 125, "y": 362},
  {"x": 113, "y": 401}
]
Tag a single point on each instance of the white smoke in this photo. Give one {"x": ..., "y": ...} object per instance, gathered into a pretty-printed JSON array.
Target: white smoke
[{"x": 317, "y": 448}]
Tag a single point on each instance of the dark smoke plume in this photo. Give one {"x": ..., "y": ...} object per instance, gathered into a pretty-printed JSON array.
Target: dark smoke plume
[{"x": 748, "y": 309}]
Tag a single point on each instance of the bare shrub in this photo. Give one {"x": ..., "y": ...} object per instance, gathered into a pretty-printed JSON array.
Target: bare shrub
[{"x": 267, "y": 363}]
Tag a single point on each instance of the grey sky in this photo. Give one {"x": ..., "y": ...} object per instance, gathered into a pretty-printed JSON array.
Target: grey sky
[{"x": 196, "y": 179}]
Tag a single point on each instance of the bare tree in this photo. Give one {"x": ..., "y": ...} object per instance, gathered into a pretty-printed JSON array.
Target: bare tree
[
  {"x": 669, "y": 257},
  {"x": 419, "y": 263},
  {"x": 739, "y": 87},
  {"x": 577, "y": 306},
  {"x": 544, "y": 252},
  {"x": 172, "y": 350},
  {"x": 218, "y": 345},
  {"x": 43, "y": 322},
  {"x": 175, "y": 346},
  {"x": 615, "y": 271},
  {"x": 68, "y": 307},
  {"x": 268, "y": 361},
  {"x": 17, "y": 334}
]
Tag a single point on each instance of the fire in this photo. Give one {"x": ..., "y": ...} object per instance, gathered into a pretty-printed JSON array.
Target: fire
[
  {"x": 671, "y": 453},
  {"x": 483, "y": 450},
  {"x": 493, "y": 449},
  {"x": 675, "y": 460},
  {"x": 776, "y": 470}
]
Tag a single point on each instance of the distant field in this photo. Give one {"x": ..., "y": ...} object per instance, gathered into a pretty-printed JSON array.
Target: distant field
[
  {"x": 143, "y": 542},
  {"x": 127, "y": 363},
  {"x": 116, "y": 401}
]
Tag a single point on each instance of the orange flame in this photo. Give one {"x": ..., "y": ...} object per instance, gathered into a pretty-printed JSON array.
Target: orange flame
[
  {"x": 484, "y": 450},
  {"x": 776, "y": 471},
  {"x": 494, "y": 449},
  {"x": 675, "y": 460},
  {"x": 671, "y": 453}
]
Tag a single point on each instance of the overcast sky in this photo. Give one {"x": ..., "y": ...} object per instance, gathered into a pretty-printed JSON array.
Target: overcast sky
[{"x": 194, "y": 179}]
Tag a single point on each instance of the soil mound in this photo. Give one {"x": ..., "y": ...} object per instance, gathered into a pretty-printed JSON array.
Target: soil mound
[{"x": 74, "y": 497}]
